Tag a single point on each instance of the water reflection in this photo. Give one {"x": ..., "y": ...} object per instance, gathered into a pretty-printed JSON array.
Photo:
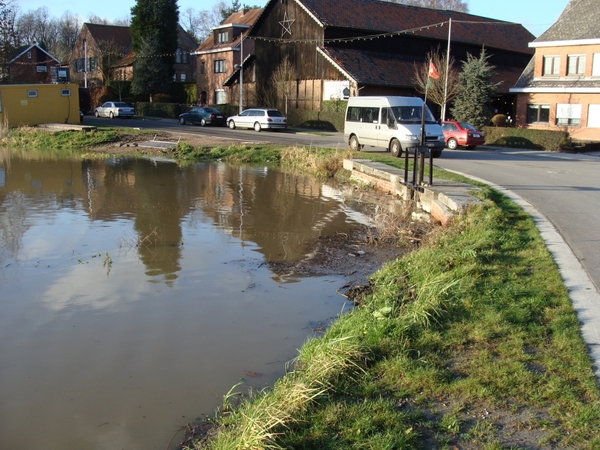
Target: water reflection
[{"x": 133, "y": 293}]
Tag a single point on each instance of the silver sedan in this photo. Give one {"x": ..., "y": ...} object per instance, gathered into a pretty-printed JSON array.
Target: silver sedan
[{"x": 114, "y": 109}]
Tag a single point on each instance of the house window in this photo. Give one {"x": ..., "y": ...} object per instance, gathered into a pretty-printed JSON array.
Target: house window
[
  {"x": 568, "y": 114},
  {"x": 202, "y": 67},
  {"x": 551, "y": 66},
  {"x": 223, "y": 36},
  {"x": 594, "y": 116},
  {"x": 220, "y": 97},
  {"x": 576, "y": 65},
  {"x": 28, "y": 55},
  {"x": 183, "y": 77},
  {"x": 178, "y": 56},
  {"x": 220, "y": 66},
  {"x": 596, "y": 65},
  {"x": 538, "y": 113},
  {"x": 185, "y": 57},
  {"x": 65, "y": 92}
]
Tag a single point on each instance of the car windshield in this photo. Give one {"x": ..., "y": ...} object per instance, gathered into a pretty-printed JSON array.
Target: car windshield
[
  {"x": 274, "y": 113},
  {"x": 467, "y": 126},
  {"x": 411, "y": 114}
]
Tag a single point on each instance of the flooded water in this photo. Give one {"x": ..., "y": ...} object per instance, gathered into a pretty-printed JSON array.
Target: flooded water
[{"x": 134, "y": 293}]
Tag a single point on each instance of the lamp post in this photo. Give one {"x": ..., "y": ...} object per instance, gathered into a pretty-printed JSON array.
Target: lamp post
[{"x": 241, "y": 71}]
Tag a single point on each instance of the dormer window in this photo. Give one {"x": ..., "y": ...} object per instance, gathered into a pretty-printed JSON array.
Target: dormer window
[
  {"x": 576, "y": 65},
  {"x": 551, "y": 66},
  {"x": 223, "y": 36}
]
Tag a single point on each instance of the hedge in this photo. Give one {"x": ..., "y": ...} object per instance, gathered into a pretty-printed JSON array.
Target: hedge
[{"x": 526, "y": 138}]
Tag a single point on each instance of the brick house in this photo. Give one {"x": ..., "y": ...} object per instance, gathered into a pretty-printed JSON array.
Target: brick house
[
  {"x": 219, "y": 56},
  {"x": 97, "y": 48},
  {"x": 109, "y": 55},
  {"x": 560, "y": 87},
  {"x": 32, "y": 64},
  {"x": 341, "y": 48}
]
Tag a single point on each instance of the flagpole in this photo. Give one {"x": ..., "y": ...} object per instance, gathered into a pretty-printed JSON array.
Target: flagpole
[
  {"x": 422, "y": 143},
  {"x": 447, "y": 70}
]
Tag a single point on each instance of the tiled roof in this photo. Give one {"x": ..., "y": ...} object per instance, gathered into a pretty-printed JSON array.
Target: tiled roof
[
  {"x": 382, "y": 16},
  {"x": 385, "y": 69},
  {"x": 579, "y": 20},
  {"x": 118, "y": 34}
]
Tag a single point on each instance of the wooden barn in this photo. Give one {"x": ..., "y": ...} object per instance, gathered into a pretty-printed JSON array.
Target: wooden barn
[{"x": 342, "y": 48}]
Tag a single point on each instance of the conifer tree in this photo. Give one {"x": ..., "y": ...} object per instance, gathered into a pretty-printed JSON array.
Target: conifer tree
[
  {"x": 476, "y": 91},
  {"x": 154, "y": 40}
]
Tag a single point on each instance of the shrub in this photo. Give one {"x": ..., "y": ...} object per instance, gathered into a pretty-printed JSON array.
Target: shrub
[
  {"x": 499, "y": 120},
  {"x": 526, "y": 138}
]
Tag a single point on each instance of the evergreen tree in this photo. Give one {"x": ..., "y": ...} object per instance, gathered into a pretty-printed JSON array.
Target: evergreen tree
[
  {"x": 476, "y": 91},
  {"x": 154, "y": 40},
  {"x": 151, "y": 72}
]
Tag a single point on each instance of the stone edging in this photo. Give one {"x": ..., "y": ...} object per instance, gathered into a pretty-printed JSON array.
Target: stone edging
[{"x": 442, "y": 200}]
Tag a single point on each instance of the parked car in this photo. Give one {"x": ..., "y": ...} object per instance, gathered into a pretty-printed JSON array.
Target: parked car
[
  {"x": 114, "y": 109},
  {"x": 462, "y": 134},
  {"x": 258, "y": 118},
  {"x": 203, "y": 116}
]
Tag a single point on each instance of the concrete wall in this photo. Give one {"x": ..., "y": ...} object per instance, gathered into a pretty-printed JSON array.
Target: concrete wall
[{"x": 32, "y": 104}]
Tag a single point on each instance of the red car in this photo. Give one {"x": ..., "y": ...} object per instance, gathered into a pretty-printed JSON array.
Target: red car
[{"x": 462, "y": 134}]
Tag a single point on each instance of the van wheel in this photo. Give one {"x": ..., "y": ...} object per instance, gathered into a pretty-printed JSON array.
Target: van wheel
[
  {"x": 395, "y": 148},
  {"x": 354, "y": 144}
]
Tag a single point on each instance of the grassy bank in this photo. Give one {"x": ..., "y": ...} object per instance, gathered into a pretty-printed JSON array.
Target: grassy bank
[{"x": 468, "y": 342}]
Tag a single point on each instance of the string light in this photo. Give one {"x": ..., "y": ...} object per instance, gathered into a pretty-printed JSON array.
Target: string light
[{"x": 308, "y": 41}]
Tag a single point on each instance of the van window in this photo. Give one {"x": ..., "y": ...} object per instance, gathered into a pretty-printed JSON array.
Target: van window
[
  {"x": 387, "y": 117},
  {"x": 411, "y": 114},
  {"x": 362, "y": 114}
]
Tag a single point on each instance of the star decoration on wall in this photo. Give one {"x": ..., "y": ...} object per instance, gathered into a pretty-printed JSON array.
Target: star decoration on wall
[{"x": 286, "y": 24}]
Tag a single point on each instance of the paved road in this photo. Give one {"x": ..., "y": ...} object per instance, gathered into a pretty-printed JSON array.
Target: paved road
[
  {"x": 290, "y": 137},
  {"x": 564, "y": 188}
]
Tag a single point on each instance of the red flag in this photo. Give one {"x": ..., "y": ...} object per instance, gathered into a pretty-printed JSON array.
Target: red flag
[{"x": 433, "y": 73}]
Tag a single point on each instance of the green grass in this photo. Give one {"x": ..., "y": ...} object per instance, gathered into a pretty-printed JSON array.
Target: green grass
[
  {"x": 470, "y": 341},
  {"x": 34, "y": 139}
]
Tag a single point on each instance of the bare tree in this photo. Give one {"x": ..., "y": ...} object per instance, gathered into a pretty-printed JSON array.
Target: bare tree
[
  {"x": 454, "y": 5},
  {"x": 68, "y": 30},
  {"x": 439, "y": 91},
  {"x": 111, "y": 53},
  {"x": 282, "y": 80}
]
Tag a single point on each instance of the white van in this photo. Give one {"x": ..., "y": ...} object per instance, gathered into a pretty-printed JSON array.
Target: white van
[{"x": 393, "y": 123}]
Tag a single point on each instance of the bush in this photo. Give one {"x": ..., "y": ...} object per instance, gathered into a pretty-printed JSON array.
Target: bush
[
  {"x": 499, "y": 120},
  {"x": 167, "y": 110},
  {"x": 526, "y": 138}
]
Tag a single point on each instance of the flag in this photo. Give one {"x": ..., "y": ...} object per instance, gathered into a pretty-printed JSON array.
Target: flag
[{"x": 433, "y": 73}]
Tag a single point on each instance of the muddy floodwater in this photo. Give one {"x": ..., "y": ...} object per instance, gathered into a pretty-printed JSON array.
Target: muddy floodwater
[{"x": 135, "y": 293}]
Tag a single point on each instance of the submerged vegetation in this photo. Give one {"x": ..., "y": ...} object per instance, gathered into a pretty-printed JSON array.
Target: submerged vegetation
[{"x": 469, "y": 341}]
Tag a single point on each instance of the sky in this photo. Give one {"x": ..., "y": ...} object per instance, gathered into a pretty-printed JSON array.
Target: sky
[{"x": 535, "y": 15}]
